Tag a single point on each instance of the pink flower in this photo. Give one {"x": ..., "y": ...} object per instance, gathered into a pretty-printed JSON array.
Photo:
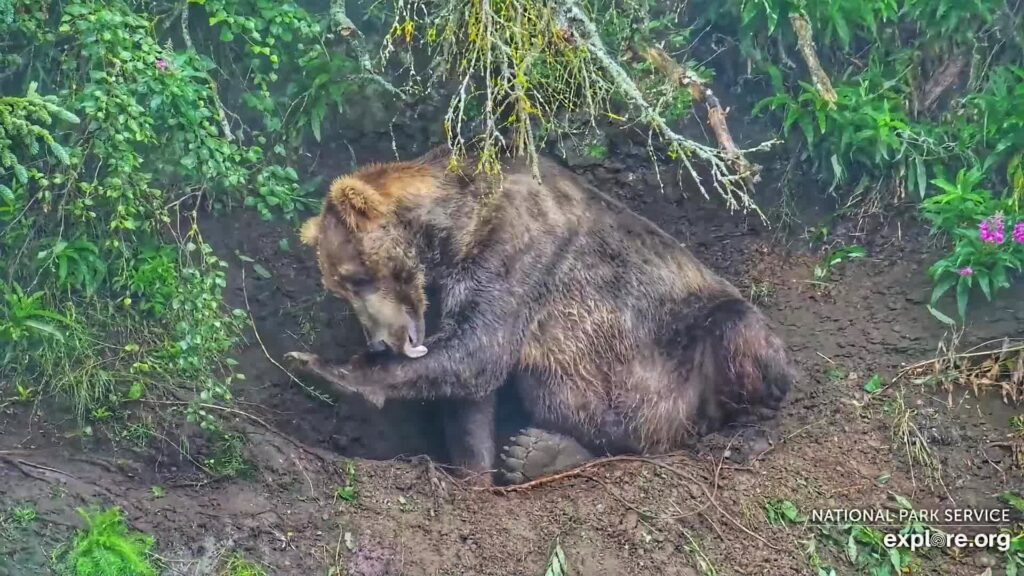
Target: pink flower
[
  {"x": 990, "y": 230},
  {"x": 1018, "y": 232},
  {"x": 967, "y": 271},
  {"x": 161, "y": 64}
]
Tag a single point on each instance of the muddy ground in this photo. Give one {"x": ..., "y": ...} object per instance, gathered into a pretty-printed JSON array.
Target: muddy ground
[{"x": 702, "y": 512}]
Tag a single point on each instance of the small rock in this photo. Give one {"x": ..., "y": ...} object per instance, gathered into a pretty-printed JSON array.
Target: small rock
[
  {"x": 630, "y": 520},
  {"x": 985, "y": 560}
]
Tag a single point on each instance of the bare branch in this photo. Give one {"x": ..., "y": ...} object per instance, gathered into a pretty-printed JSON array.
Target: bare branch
[
  {"x": 731, "y": 187},
  {"x": 686, "y": 78},
  {"x": 344, "y": 26},
  {"x": 805, "y": 41}
]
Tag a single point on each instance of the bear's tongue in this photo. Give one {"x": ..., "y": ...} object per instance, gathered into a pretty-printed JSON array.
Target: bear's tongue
[
  {"x": 410, "y": 349},
  {"x": 413, "y": 351}
]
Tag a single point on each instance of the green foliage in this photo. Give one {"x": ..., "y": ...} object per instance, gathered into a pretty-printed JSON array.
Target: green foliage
[
  {"x": 887, "y": 137},
  {"x": 961, "y": 211},
  {"x": 107, "y": 547},
  {"x": 557, "y": 565},
  {"x": 823, "y": 270},
  {"x": 527, "y": 78},
  {"x": 862, "y": 548},
  {"x": 228, "y": 459},
  {"x": 783, "y": 512},
  {"x": 110, "y": 291},
  {"x": 874, "y": 384}
]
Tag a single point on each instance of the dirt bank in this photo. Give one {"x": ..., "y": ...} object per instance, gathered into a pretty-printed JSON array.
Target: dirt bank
[{"x": 832, "y": 446}]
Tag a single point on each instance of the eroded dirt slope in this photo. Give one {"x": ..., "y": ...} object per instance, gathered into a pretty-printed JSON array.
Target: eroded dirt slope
[{"x": 832, "y": 447}]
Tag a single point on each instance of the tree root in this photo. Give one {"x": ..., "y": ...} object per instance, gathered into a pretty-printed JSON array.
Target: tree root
[
  {"x": 581, "y": 469},
  {"x": 805, "y": 41}
]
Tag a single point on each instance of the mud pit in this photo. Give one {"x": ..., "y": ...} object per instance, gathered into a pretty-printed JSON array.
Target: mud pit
[{"x": 832, "y": 447}]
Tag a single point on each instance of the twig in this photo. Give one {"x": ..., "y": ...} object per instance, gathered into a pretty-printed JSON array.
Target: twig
[
  {"x": 954, "y": 357},
  {"x": 347, "y": 29},
  {"x": 212, "y": 407},
  {"x": 570, "y": 473},
  {"x": 685, "y": 78},
  {"x": 312, "y": 491},
  {"x": 252, "y": 322}
]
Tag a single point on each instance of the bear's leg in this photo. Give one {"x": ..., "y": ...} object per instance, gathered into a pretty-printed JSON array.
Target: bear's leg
[
  {"x": 469, "y": 433},
  {"x": 535, "y": 453}
]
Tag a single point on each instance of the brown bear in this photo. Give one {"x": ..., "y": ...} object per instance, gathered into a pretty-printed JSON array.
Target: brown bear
[{"x": 616, "y": 337}]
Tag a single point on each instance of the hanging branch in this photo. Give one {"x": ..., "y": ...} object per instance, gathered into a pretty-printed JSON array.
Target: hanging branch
[
  {"x": 805, "y": 41},
  {"x": 686, "y": 78},
  {"x": 731, "y": 187},
  {"x": 346, "y": 28}
]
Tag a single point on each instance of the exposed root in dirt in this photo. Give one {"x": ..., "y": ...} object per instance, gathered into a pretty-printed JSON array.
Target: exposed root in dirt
[
  {"x": 941, "y": 81},
  {"x": 653, "y": 461},
  {"x": 50, "y": 475}
]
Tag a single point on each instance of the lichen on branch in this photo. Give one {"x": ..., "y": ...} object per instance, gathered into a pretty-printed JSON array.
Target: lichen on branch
[{"x": 517, "y": 67}]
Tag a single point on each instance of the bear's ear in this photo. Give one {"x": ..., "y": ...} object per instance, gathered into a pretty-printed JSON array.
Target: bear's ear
[
  {"x": 358, "y": 202},
  {"x": 310, "y": 231}
]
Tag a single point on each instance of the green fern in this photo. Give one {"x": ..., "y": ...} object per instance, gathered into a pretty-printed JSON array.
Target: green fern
[{"x": 107, "y": 548}]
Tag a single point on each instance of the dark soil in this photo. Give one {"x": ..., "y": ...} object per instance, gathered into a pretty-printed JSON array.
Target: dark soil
[{"x": 831, "y": 446}]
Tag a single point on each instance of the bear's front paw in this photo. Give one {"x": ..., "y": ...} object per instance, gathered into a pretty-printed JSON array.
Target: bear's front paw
[{"x": 337, "y": 376}]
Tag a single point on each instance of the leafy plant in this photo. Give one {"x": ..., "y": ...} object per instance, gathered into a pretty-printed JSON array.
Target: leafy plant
[
  {"x": 782, "y": 512},
  {"x": 823, "y": 270},
  {"x": 23, "y": 515},
  {"x": 228, "y": 459},
  {"x": 982, "y": 255},
  {"x": 348, "y": 492},
  {"x": 557, "y": 565},
  {"x": 874, "y": 384},
  {"x": 107, "y": 547}
]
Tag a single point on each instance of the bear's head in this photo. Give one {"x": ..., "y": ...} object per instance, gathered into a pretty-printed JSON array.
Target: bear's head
[{"x": 367, "y": 255}]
